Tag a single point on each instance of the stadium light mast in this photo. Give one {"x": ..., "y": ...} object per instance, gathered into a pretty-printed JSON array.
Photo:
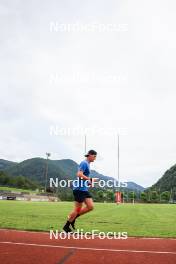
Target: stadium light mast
[
  {"x": 46, "y": 169},
  {"x": 118, "y": 158},
  {"x": 118, "y": 192}
]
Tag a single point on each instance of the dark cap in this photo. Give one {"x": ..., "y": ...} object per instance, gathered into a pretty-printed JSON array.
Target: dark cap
[{"x": 91, "y": 152}]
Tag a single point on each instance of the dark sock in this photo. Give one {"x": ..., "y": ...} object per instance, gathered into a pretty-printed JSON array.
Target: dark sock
[
  {"x": 66, "y": 227},
  {"x": 67, "y": 224}
]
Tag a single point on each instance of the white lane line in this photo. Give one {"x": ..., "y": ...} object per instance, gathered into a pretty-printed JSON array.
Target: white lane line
[{"x": 87, "y": 248}]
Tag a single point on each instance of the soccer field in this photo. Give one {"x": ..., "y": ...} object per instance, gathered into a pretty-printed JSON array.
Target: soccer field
[{"x": 150, "y": 220}]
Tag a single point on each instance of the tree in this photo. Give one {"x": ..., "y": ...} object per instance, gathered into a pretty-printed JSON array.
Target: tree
[
  {"x": 100, "y": 195},
  {"x": 143, "y": 196},
  {"x": 110, "y": 195},
  {"x": 132, "y": 195},
  {"x": 154, "y": 196},
  {"x": 165, "y": 196}
]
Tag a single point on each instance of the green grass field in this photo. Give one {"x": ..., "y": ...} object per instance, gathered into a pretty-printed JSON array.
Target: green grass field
[{"x": 150, "y": 220}]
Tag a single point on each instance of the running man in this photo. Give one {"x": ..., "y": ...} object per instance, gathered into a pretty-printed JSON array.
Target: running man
[{"x": 80, "y": 191}]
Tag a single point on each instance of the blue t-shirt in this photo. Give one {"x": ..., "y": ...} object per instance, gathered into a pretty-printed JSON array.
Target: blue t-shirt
[{"x": 81, "y": 184}]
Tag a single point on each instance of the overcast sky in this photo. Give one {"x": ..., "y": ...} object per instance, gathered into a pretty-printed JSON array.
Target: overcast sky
[{"x": 106, "y": 66}]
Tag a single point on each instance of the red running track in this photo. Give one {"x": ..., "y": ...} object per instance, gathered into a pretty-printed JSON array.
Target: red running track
[{"x": 21, "y": 247}]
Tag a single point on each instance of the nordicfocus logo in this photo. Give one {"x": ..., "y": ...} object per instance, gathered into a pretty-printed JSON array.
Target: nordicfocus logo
[
  {"x": 79, "y": 234},
  {"x": 81, "y": 183}
]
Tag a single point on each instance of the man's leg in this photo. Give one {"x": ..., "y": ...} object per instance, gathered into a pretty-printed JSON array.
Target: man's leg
[
  {"x": 75, "y": 212},
  {"x": 89, "y": 206},
  {"x": 79, "y": 211},
  {"x": 72, "y": 217}
]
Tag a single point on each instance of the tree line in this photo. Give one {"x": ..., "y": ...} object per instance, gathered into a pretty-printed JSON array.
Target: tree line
[{"x": 17, "y": 182}]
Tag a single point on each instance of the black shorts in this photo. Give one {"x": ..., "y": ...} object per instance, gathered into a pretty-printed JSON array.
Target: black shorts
[{"x": 80, "y": 196}]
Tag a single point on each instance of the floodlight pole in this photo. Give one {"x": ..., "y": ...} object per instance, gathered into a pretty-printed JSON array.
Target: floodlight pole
[
  {"x": 118, "y": 162},
  {"x": 118, "y": 157},
  {"x": 46, "y": 169}
]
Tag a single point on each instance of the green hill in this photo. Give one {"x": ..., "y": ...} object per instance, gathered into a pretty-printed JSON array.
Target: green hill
[
  {"x": 130, "y": 185},
  {"x": 167, "y": 182},
  {"x": 5, "y": 164},
  {"x": 34, "y": 170}
]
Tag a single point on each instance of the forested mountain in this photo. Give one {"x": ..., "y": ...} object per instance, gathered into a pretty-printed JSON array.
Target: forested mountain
[
  {"x": 34, "y": 169},
  {"x": 167, "y": 182}
]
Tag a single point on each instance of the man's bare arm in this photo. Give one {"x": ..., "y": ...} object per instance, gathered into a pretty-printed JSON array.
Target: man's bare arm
[{"x": 81, "y": 175}]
